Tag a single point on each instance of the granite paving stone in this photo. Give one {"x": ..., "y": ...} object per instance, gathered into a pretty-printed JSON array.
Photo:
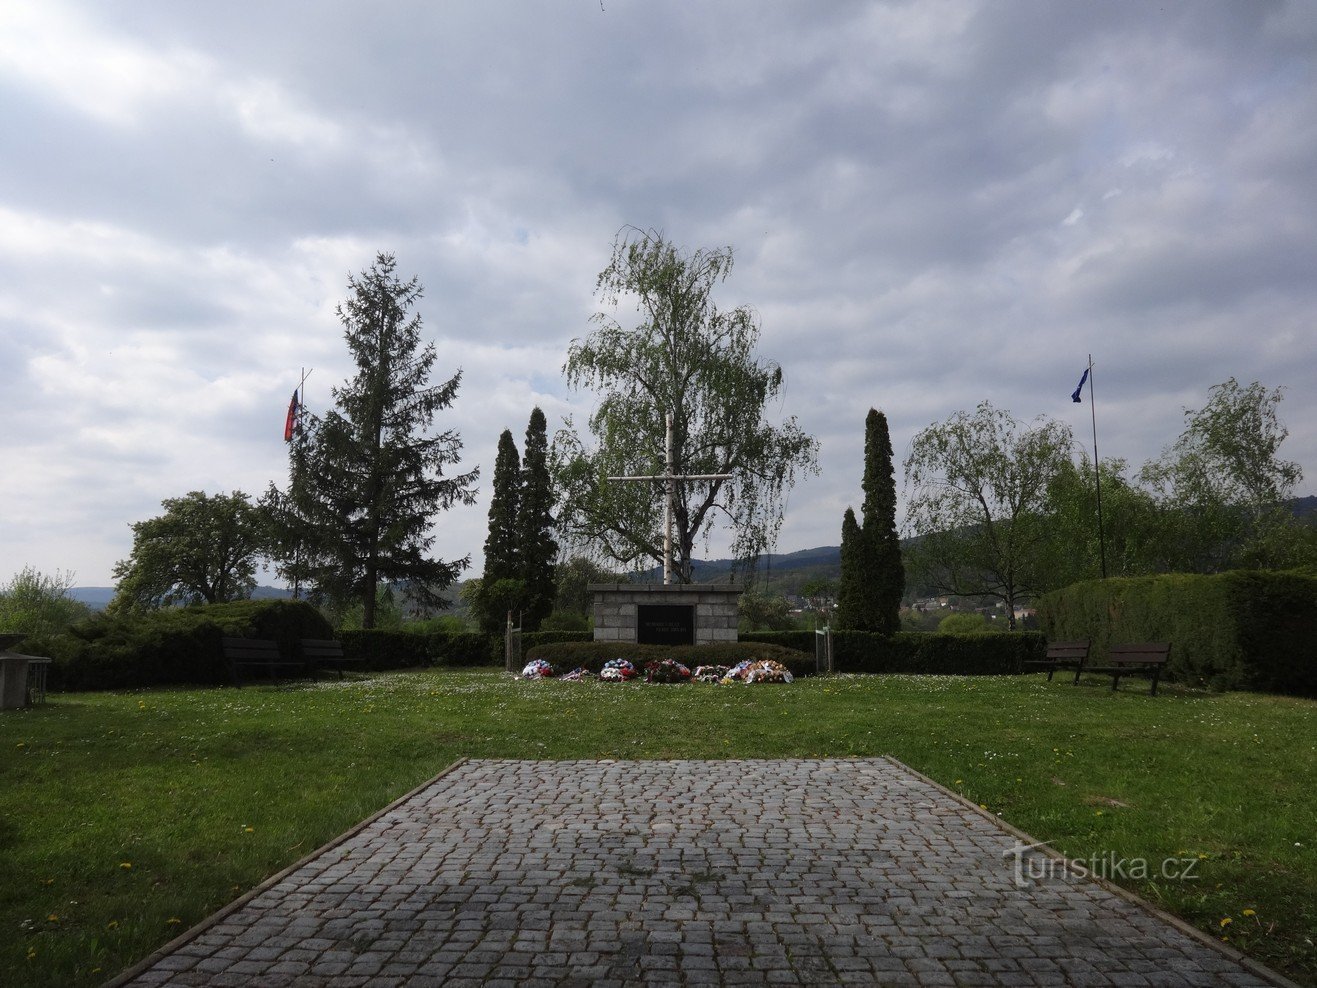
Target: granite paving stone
[{"x": 742, "y": 872}]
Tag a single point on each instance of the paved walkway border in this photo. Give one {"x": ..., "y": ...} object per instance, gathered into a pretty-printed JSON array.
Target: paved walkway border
[
  {"x": 215, "y": 918},
  {"x": 1035, "y": 846},
  {"x": 1188, "y": 929}
]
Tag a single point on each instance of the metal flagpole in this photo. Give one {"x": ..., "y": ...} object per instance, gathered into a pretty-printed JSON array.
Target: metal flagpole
[
  {"x": 297, "y": 429},
  {"x": 1097, "y": 471}
]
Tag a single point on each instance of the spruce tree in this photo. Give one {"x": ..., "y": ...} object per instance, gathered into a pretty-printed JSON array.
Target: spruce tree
[
  {"x": 368, "y": 478},
  {"x": 535, "y": 523}
]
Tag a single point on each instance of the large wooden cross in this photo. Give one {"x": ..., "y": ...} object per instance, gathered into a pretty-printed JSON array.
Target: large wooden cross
[{"x": 670, "y": 483}]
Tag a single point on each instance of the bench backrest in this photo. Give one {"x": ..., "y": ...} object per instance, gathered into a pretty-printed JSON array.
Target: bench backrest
[
  {"x": 1143, "y": 652},
  {"x": 321, "y": 648},
  {"x": 249, "y": 648},
  {"x": 1067, "y": 651}
]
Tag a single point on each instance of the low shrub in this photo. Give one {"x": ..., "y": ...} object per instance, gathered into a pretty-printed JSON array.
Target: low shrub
[
  {"x": 565, "y": 656},
  {"x": 174, "y": 646}
]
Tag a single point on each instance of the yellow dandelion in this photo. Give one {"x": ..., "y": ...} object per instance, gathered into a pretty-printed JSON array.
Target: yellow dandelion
[
  {"x": 53, "y": 918},
  {"x": 1226, "y": 921},
  {"x": 31, "y": 953},
  {"x": 126, "y": 865},
  {"x": 1098, "y": 813},
  {"x": 1250, "y": 912},
  {"x": 112, "y": 924},
  {"x": 173, "y": 921}
]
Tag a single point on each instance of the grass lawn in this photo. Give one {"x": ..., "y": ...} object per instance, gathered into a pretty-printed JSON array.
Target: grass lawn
[{"x": 127, "y": 817}]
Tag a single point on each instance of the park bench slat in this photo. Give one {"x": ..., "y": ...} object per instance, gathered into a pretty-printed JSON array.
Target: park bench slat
[
  {"x": 326, "y": 653},
  {"x": 1135, "y": 658},
  {"x": 257, "y": 653},
  {"x": 1063, "y": 655}
]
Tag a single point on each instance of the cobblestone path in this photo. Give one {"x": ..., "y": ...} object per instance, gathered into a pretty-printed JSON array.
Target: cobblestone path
[{"x": 685, "y": 872}]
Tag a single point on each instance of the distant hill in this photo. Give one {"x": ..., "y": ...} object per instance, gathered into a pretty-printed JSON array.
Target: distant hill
[
  {"x": 98, "y": 597},
  {"x": 782, "y": 573}
]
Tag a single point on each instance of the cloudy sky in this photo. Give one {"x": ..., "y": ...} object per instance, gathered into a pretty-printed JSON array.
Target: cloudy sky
[{"x": 931, "y": 204}]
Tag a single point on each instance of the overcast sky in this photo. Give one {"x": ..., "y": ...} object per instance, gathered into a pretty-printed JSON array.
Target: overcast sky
[{"x": 931, "y": 204}]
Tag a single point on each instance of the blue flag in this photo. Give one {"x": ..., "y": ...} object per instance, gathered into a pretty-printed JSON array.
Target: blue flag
[{"x": 1079, "y": 390}]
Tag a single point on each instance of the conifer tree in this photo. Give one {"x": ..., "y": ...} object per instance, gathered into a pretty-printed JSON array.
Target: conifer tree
[
  {"x": 502, "y": 545},
  {"x": 502, "y": 556},
  {"x": 535, "y": 522},
  {"x": 368, "y": 477},
  {"x": 850, "y": 589},
  {"x": 872, "y": 577},
  {"x": 885, "y": 576}
]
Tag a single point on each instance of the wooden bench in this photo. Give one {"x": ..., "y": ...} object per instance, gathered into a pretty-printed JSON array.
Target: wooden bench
[
  {"x": 1142, "y": 659},
  {"x": 1063, "y": 655},
  {"x": 258, "y": 653},
  {"x": 326, "y": 653}
]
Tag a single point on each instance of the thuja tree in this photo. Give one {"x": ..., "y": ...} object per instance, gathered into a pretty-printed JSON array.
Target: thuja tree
[
  {"x": 872, "y": 573},
  {"x": 535, "y": 525},
  {"x": 687, "y": 358},
  {"x": 501, "y": 586},
  {"x": 850, "y": 591},
  {"x": 369, "y": 477}
]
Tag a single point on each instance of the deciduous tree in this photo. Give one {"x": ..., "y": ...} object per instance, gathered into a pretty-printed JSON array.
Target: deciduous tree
[
  {"x": 978, "y": 489},
  {"x": 688, "y": 358},
  {"x": 203, "y": 549},
  {"x": 37, "y": 604},
  {"x": 1223, "y": 488}
]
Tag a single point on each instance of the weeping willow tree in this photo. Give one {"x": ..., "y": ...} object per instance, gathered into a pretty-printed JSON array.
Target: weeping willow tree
[{"x": 687, "y": 358}]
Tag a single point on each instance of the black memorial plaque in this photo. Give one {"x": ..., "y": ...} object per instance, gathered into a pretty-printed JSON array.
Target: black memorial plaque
[{"x": 665, "y": 624}]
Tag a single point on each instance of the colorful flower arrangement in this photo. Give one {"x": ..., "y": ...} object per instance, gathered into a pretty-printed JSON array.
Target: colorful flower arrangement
[
  {"x": 537, "y": 669},
  {"x": 758, "y": 671},
  {"x": 617, "y": 671},
  {"x": 711, "y": 674},
  {"x": 666, "y": 671}
]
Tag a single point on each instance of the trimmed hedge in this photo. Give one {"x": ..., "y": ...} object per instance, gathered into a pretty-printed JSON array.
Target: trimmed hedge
[
  {"x": 977, "y": 654},
  {"x": 1242, "y": 630},
  {"x": 175, "y": 646},
  {"x": 566, "y": 656},
  {"x": 406, "y": 649}
]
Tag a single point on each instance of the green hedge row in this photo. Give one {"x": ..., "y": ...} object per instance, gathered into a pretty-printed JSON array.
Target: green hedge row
[
  {"x": 1243, "y": 630},
  {"x": 176, "y": 646},
  {"x": 566, "y": 656},
  {"x": 977, "y": 654},
  {"x": 405, "y": 649}
]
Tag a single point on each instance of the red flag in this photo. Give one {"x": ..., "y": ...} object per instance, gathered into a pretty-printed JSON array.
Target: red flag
[{"x": 290, "y": 424}]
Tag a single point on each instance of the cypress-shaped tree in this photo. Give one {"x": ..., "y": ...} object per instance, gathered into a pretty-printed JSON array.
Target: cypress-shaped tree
[
  {"x": 885, "y": 576},
  {"x": 368, "y": 479},
  {"x": 535, "y": 525},
  {"x": 850, "y": 588},
  {"x": 872, "y": 577},
  {"x": 503, "y": 556}
]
